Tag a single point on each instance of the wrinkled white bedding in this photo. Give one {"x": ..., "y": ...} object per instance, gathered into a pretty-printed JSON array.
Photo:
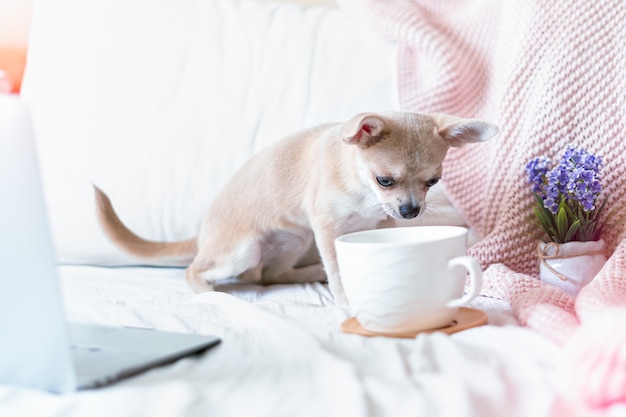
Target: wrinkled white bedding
[{"x": 283, "y": 354}]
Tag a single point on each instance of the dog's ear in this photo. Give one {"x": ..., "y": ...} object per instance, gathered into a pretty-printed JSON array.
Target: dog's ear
[
  {"x": 458, "y": 132},
  {"x": 364, "y": 130}
]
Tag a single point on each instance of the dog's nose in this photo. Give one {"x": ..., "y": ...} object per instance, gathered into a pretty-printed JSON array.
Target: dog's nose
[{"x": 409, "y": 211}]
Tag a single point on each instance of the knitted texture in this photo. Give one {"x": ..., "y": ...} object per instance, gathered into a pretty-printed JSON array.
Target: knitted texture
[{"x": 549, "y": 73}]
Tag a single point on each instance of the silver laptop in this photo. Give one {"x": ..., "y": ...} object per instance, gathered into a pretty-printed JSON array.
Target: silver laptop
[{"x": 38, "y": 348}]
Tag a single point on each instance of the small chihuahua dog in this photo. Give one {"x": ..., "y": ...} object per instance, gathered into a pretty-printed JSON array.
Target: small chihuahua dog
[{"x": 281, "y": 212}]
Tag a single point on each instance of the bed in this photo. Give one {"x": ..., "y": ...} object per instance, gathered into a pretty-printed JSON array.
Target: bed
[
  {"x": 157, "y": 102},
  {"x": 283, "y": 354}
]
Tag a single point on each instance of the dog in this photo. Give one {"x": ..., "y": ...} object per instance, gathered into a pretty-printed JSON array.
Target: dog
[{"x": 280, "y": 213}]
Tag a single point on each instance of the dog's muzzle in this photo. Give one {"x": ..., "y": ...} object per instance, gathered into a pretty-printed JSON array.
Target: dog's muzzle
[{"x": 409, "y": 211}]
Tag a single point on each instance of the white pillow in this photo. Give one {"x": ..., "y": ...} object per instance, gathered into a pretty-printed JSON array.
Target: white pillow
[{"x": 159, "y": 101}]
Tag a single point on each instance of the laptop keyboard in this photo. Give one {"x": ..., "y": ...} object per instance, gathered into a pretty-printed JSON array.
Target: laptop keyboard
[{"x": 92, "y": 363}]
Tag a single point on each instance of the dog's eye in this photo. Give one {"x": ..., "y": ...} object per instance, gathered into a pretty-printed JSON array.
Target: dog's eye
[
  {"x": 385, "y": 181},
  {"x": 432, "y": 182}
]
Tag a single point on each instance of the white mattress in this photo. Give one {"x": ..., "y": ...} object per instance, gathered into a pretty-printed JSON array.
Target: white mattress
[{"x": 283, "y": 354}]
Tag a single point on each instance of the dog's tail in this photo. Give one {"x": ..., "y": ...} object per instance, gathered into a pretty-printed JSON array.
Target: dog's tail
[{"x": 170, "y": 253}]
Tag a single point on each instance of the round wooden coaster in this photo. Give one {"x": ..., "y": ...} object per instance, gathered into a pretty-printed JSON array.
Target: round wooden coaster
[{"x": 465, "y": 318}]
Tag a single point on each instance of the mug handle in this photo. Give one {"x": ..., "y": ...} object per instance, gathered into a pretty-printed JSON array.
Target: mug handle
[{"x": 476, "y": 279}]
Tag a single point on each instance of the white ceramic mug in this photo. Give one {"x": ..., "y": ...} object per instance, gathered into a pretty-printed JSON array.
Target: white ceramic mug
[{"x": 407, "y": 278}]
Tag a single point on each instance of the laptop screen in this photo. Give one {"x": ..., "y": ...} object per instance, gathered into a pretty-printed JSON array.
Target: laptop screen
[{"x": 34, "y": 340}]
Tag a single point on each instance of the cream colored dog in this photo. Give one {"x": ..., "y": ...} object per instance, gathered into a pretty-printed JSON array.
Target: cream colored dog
[{"x": 303, "y": 192}]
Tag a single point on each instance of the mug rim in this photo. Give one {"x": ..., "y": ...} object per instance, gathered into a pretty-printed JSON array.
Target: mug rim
[{"x": 451, "y": 232}]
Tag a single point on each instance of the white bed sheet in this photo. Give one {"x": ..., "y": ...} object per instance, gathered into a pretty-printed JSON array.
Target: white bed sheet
[{"x": 283, "y": 355}]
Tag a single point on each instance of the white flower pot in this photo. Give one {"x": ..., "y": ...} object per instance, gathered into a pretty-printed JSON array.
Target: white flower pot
[{"x": 570, "y": 266}]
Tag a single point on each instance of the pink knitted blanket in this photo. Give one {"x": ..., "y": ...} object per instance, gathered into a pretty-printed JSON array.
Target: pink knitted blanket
[{"x": 549, "y": 73}]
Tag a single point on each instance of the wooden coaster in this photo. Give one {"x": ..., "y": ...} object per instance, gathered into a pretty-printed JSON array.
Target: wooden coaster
[{"x": 465, "y": 318}]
